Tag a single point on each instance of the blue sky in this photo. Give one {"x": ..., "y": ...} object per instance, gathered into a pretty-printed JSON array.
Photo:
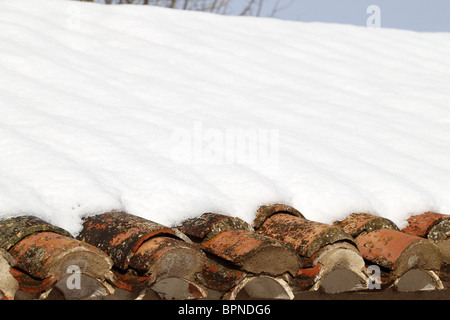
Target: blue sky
[{"x": 418, "y": 15}]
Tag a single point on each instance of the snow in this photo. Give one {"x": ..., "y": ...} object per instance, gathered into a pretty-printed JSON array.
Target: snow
[{"x": 169, "y": 114}]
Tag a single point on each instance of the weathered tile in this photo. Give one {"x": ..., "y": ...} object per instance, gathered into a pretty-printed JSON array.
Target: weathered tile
[
  {"x": 8, "y": 284},
  {"x": 422, "y": 224},
  {"x": 399, "y": 251},
  {"x": 120, "y": 234},
  {"x": 210, "y": 224},
  {"x": 254, "y": 253},
  {"x": 265, "y": 211},
  {"x": 146, "y": 255},
  {"x": 12, "y": 230},
  {"x": 357, "y": 223},
  {"x": 45, "y": 255},
  {"x": 305, "y": 236},
  {"x": 327, "y": 251},
  {"x": 433, "y": 226},
  {"x": 235, "y": 241}
]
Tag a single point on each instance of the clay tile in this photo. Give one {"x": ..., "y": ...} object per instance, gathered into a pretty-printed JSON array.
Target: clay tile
[
  {"x": 32, "y": 287},
  {"x": 261, "y": 287},
  {"x": 234, "y": 240},
  {"x": 330, "y": 257},
  {"x": 8, "y": 284},
  {"x": 164, "y": 255},
  {"x": 174, "y": 266},
  {"x": 47, "y": 259},
  {"x": 131, "y": 282},
  {"x": 253, "y": 253},
  {"x": 225, "y": 282},
  {"x": 12, "y": 230},
  {"x": 307, "y": 277},
  {"x": 342, "y": 268},
  {"x": 174, "y": 288},
  {"x": 418, "y": 280},
  {"x": 46, "y": 254},
  {"x": 305, "y": 236},
  {"x": 399, "y": 251},
  {"x": 264, "y": 212},
  {"x": 208, "y": 225},
  {"x": 147, "y": 256},
  {"x": 435, "y": 226},
  {"x": 120, "y": 234},
  {"x": 219, "y": 278},
  {"x": 357, "y": 223}
]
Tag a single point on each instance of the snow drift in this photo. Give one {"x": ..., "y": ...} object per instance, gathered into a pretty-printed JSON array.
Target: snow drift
[{"x": 169, "y": 114}]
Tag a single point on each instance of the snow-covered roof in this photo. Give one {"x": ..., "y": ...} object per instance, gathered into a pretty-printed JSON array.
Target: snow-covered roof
[
  {"x": 168, "y": 114},
  {"x": 131, "y": 118}
]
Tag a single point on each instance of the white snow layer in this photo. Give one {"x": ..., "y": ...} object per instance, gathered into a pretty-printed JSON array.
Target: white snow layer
[{"x": 169, "y": 114}]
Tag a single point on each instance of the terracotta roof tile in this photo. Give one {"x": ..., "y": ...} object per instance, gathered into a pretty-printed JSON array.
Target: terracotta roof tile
[
  {"x": 8, "y": 284},
  {"x": 209, "y": 225},
  {"x": 381, "y": 242},
  {"x": 17, "y": 228},
  {"x": 329, "y": 246},
  {"x": 265, "y": 211},
  {"x": 233, "y": 245},
  {"x": 146, "y": 255},
  {"x": 120, "y": 234},
  {"x": 223, "y": 281},
  {"x": 357, "y": 223},
  {"x": 215, "y": 256},
  {"x": 261, "y": 287},
  {"x": 399, "y": 251},
  {"x": 421, "y": 225},
  {"x": 433, "y": 226},
  {"x": 305, "y": 236},
  {"x": 235, "y": 241},
  {"x": 44, "y": 255},
  {"x": 220, "y": 277}
]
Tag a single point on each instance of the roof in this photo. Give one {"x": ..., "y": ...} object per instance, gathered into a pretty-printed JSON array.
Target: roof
[{"x": 282, "y": 255}]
